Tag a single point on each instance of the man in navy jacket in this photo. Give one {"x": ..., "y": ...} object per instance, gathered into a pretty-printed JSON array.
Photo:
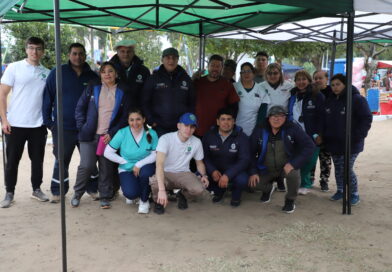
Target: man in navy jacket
[
  {"x": 168, "y": 94},
  {"x": 226, "y": 156},
  {"x": 131, "y": 71},
  {"x": 76, "y": 74},
  {"x": 281, "y": 148}
]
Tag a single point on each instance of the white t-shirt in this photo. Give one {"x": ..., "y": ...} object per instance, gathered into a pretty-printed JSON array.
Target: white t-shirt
[
  {"x": 279, "y": 96},
  {"x": 178, "y": 153},
  {"x": 249, "y": 106},
  {"x": 27, "y": 82}
]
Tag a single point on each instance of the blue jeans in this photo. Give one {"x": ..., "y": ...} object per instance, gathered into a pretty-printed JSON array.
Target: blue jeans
[
  {"x": 70, "y": 142},
  {"x": 134, "y": 187},
  {"x": 338, "y": 161},
  {"x": 237, "y": 183}
]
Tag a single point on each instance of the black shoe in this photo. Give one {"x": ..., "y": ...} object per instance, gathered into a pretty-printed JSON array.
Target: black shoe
[
  {"x": 281, "y": 186},
  {"x": 289, "y": 206},
  {"x": 324, "y": 186},
  {"x": 217, "y": 198},
  {"x": 159, "y": 209},
  {"x": 235, "y": 203},
  {"x": 182, "y": 203},
  {"x": 266, "y": 196}
]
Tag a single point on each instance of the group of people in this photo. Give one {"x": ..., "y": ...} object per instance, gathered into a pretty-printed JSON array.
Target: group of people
[{"x": 155, "y": 134}]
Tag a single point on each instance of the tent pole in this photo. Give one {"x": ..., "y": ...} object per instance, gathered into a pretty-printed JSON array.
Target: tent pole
[
  {"x": 202, "y": 45},
  {"x": 60, "y": 140},
  {"x": 3, "y": 144},
  {"x": 333, "y": 55},
  {"x": 347, "y": 151}
]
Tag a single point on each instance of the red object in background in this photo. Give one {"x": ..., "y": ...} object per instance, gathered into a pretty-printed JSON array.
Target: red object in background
[
  {"x": 384, "y": 64},
  {"x": 386, "y": 108}
]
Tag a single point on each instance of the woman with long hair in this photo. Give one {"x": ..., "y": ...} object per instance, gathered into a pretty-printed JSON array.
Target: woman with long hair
[{"x": 136, "y": 145}]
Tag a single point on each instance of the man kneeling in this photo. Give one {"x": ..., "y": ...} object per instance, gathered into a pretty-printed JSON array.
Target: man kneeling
[
  {"x": 174, "y": 152},
  {"x": 226, "y": 150},
  {"x": 281, "y": 148}
]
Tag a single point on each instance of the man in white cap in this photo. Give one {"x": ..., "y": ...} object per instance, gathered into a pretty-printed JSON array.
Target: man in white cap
[{"x": 131, "y": 71}]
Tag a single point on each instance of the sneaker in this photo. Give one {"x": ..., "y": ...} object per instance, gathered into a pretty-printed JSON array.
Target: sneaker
[
  {"x": 94, "y": 196},
  {"x": 105, "y": 204},
  {"x": 337, "y": 196},
  {"x": 266, "y": 196},
  {"x": 324, "y": 186},
  {"x": 129, "y": 201},
  {"x": 75, "y": 200},
  {"x": 144, "y": 207},
  {"x": 235, "y": 203},
  {"x": 217, "y": 198},
  {"x": 159, "y": 209},
  {"x": 39, "y": 195},
  {"x": 55, "y": 199},
  {"x": 303, "y": 191},
  {"x": 6, "y": 203},
  {"x": 182, "y": 203},
  {"x": 289, "y": 206},
  {"x": 355, "y": 200},
  {"x": 281, "y": 186}
]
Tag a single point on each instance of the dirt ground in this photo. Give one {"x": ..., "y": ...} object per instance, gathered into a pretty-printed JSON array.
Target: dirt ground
[{"x": 207, "y": 237}]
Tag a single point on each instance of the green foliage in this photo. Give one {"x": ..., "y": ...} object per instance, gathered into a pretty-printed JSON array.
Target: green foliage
[{"x": 19, "y": 32}]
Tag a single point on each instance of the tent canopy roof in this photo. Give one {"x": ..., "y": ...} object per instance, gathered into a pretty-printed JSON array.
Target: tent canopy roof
[{"x": 193, "y": 17}]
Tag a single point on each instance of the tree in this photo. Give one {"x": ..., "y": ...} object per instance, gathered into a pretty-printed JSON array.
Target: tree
[
  {"x": 370, "y": 52},
  {"x": 18, "y": 33}
]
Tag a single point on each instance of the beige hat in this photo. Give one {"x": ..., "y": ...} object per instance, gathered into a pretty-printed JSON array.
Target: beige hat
[{"x": 125, "y": 43}]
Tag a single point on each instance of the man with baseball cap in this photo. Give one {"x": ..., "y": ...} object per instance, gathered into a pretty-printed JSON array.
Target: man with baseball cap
[
  {"x": 174, "y": 152},
  {"x": 167, "y": 94},
  {"x": 281, "y": 148},
  {"x": 131, "y": 71}
]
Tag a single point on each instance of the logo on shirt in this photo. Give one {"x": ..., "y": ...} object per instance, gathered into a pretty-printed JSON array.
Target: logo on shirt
[
  {"x": 257, "y": 95},
  {"x": 310, "y": 105},
  {"x": 290, "y": 139},
  {"x": 139, "y": 78},
  {"x": 233, "y": 148},
  {"x": 343, "y": 111},
  {"x": 239, "y": 93},
  {"x": 284, "y": 90},
  {"x": 184, "y": 85},
  {"x": 327, "y": 110},
  {"x": 188, "y": 150},
  {"x": 161, "y": 85},
  {"x": 214, "y": 147}
]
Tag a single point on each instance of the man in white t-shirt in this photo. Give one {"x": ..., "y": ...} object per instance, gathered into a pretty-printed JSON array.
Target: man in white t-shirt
[
  {"x": 23, "y": 121},
  {"x": 174, "y": 152}
]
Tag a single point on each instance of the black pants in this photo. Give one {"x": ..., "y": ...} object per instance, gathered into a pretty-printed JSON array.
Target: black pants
[{"x": 36, "y": 140}]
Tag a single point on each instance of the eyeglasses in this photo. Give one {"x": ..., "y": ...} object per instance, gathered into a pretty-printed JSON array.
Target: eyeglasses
[
  {"x": 246, "y": 72},
  {"x": 32, "y": 48},
  {"x": 273, "y": 73}
]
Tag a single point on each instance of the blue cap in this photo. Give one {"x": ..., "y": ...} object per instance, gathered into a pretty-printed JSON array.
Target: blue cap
[{"x": 188, "y": 119}]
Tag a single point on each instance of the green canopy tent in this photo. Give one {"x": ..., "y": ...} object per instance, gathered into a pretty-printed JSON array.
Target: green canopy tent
[{"x": 198, "y": 18}]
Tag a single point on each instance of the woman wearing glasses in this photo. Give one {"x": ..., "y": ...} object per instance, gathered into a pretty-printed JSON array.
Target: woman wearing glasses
[
  {"x": 306, "y": 107},
  {"x": 253, "y": 99}
]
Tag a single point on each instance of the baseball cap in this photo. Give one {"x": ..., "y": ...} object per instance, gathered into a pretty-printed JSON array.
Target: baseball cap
[
  {"x": 171, "y": 51},
  {"x": 275, "y": 110},
  {"x": 188, "y": 119},
  {"x": 125, "y": 43}
]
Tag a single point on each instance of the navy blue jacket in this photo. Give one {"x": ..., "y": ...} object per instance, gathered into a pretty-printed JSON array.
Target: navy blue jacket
[
  {"x": 335, "y": 122},
  {"x": 229, "y": 157},
  {"x": 86, "y": 113},
  {"x": 133, "y": 80},
  {"x": 72, "y": 86},
  {"x": 298, "y": 146},
  {"x": 166, "y": 96},
  {"x": 312, "y": 110}
]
